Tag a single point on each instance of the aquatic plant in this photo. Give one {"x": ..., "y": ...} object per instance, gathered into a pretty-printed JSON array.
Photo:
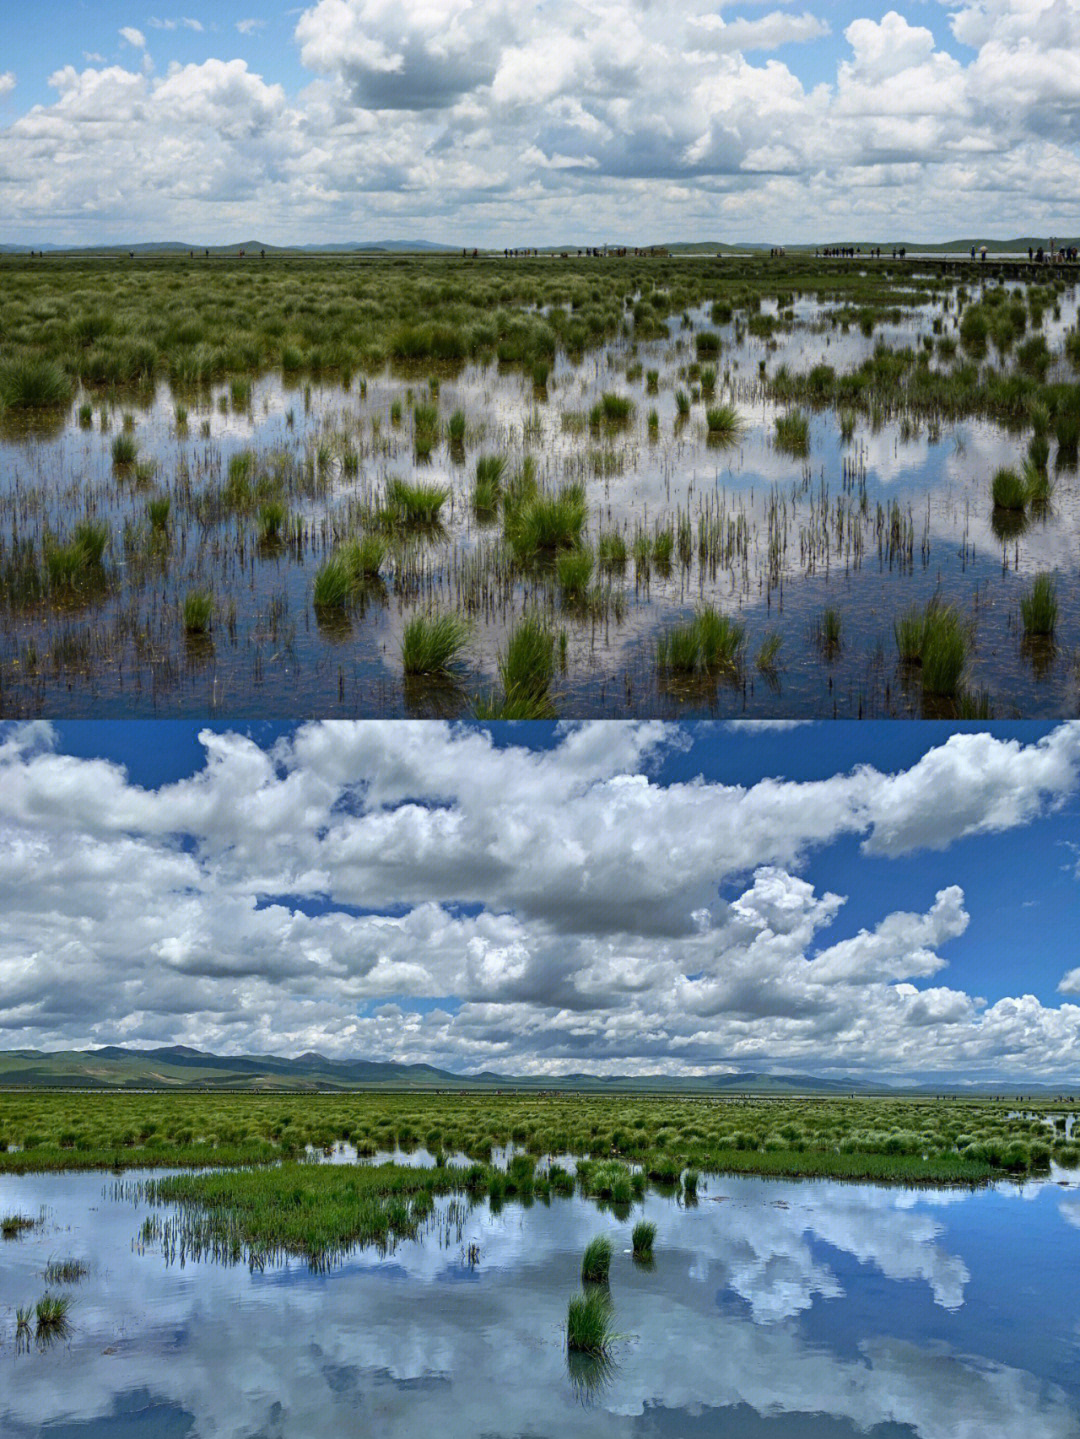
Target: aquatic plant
[
  {"x": 431, "y": 644},
  {"x": 363, "y": 557},
  {"x": 1008, "y": 490},
  {"x": 333, "y": 584},
  {"x": 793, "y": 433},
  {"x": 51, "y": 1312},
  {"x": 455, "y": 428},
  {"x": 65, "y": 1271},
  {"x": 272, "y": 516},
  {"x": 1039, "y": 606},
  {"x": 125, "y": 449},
  {"x": 548, "y": 522},
  {"x": 413, "y": 506},
  {"x": 573, "y": 569},
  {"x": 827, "y": 631},
  {"x": 596, "y": 1261},
  {"x": 611, "y": 550},
  {"x": 198, "y": 611},
  {"x": 642, "y": 1239},
  {"x": 769, "y": 649},
  {"x": 527, "y": 664},
  {"x": 723, "y": 422},
  {"x": 707, "y": 644},
  {"x": 588, "y": 1323},
  {"x": 487, "y": 488},
  {"x": 944, "y": 650},
  {"x": 33, "y": 383},
  {"x": 12, "y": 1225}
]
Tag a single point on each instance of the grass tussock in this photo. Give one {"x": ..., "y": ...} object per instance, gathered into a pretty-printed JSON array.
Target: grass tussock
[
  {"x": 709, "y": 644},
  {"x": 432, "y": 644},
  {"x": 588, "y": 1323},
  {"x": 1039, "y": 606},
  {"x": 935, "y": 640}
]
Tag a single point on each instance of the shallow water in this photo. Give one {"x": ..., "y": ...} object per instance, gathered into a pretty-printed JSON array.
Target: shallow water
[
  {"x": 774, "y": 1309},
  {"x": 792, "y": 536}
]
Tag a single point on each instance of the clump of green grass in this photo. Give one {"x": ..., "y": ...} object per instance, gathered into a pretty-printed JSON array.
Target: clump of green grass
[
  {"x": 527, "y": 665},
  {"x": 65, "y": 1271},
  {"x": 1009, "y": 491},
  {"x": 573, "y": 569},
  {"x": 455, "y": 428},
  {"x": 827, "y": 632},
  {"x": 1038, "y": 486},
  {"x": 723, "y": 422},
  {"x": 707, "y": 644},
  {"x": 596, "y": 1261},
  {"x": 364, "y": 558},
  {"x": 86, "y": 416},
  {"x": 78, "y": 560},
  {"x": 333, "y": 584},
  {"x": 272, "y": 516},
  {"x": 33, "y": 384},
  {"x": 611, "y": 550},
  {"x": 413, "y": 506},
  {"x": 936, "y": 640},
  {"x": 1039, "y": 606},
  {"x": 540, "y": 372},
  {"x": 588, "y": 1323},
  {"x": 547, "y": 522},
  {"x": 487, "y": 488},
  {"x": 431, "y": 644},
  {"x": 690, "y": 1183},
  {"x": 12, "y": 1225},
  {"x": 125, "y": 449},
  {"x": 617, "y": 409},
  {"x": 198, "y": 612},
  {"x": 768, "y": 651},
  {"x": 642, "y": 1239},
  {"x": 793, "y": 433},
  {"x": 682, "y": 404},
  {"x": 51, "y": 1312},
  {"x": 706, "y": 342}
]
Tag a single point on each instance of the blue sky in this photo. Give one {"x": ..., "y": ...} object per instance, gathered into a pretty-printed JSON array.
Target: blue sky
[
  {"x": 867, "y": 898},
  {"x": 487, "y": 122}
]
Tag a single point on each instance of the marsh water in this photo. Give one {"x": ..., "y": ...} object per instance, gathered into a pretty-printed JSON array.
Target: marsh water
[
  {"x": 773, "y": 1308},
  {"x": 866, "y": 526}
]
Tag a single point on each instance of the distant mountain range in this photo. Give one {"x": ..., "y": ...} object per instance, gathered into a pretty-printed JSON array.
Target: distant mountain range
[
  {"x": 179, "y": 1067},
  {"x": 178, "y": 247},
  {"x": 418, "y": 246}
]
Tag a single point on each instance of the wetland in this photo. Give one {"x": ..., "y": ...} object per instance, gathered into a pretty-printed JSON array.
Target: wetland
[
  {"x": 652, "y": 485},
  {"x": 400, "y": 1263}
]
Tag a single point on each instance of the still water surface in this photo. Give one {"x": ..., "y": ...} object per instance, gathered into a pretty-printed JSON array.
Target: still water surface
[{"x": 775, "y": 1310}]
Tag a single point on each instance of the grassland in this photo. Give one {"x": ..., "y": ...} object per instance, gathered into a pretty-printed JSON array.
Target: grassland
[{"x": 907, "y": 1140}]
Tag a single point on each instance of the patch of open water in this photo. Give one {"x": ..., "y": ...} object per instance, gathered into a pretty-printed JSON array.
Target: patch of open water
[{"x": 808, "y": 1309}]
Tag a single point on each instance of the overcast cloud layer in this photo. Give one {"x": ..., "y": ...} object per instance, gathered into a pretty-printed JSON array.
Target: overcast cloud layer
[
  {"x": 491, "y": 122},
  {"x": 409, "y": 891}
]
